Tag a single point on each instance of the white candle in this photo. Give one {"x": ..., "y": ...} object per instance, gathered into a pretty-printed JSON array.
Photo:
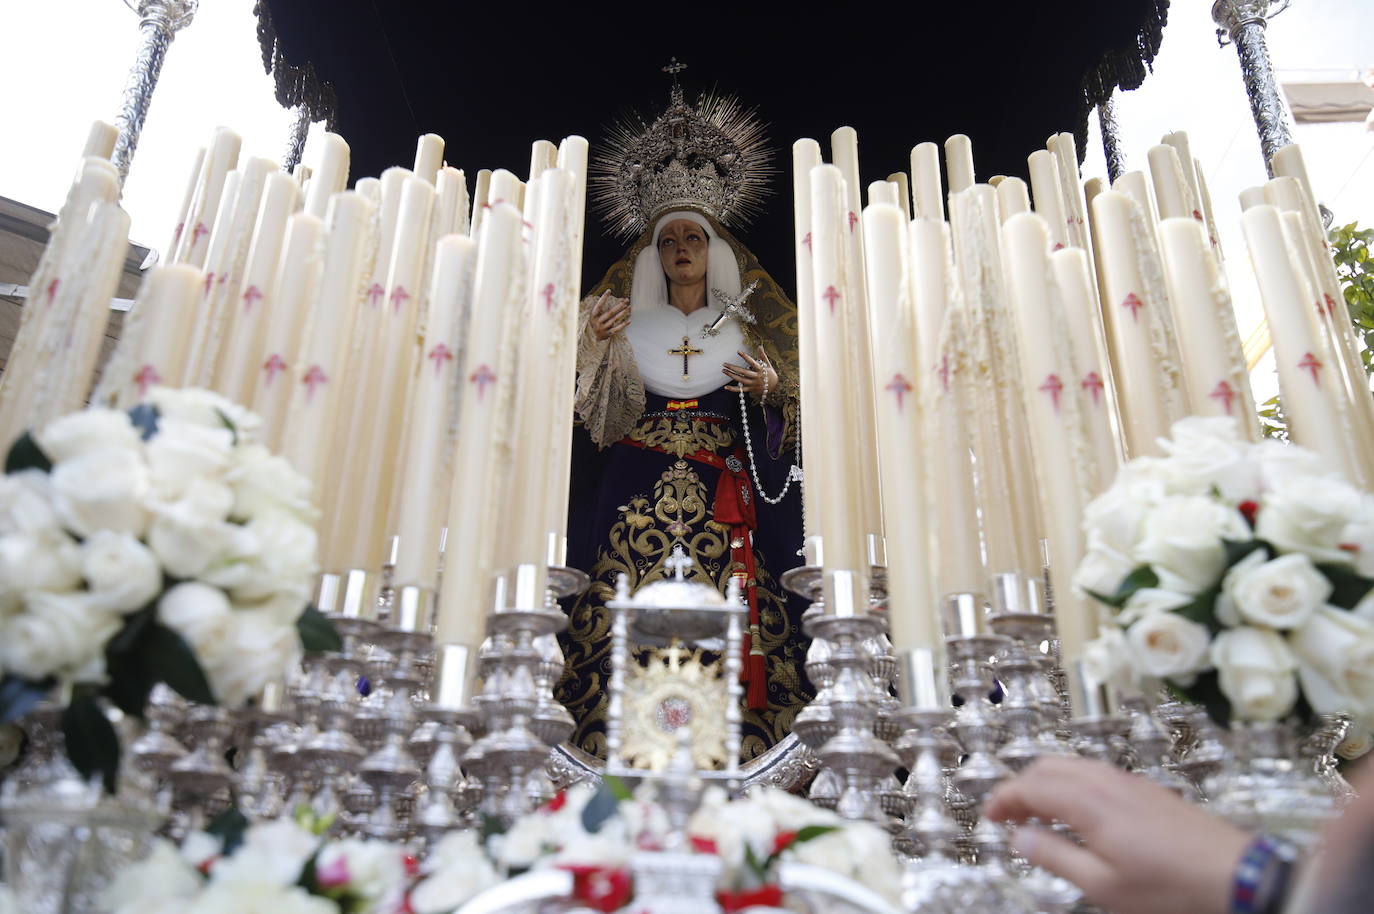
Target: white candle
[
  {"x": 293, "y": 287},
  {"x": 1136, "y": 185},
  {"x": 927, "y": 198},
  {"x": 100, "y": 141},
  {"x": 482, "y": 454},
  {"x": 1093, "y": 386},
  {"x": 806, "y": 155},
  {"x": 423, "y": 500},
  {"x": 903, "y": 192},
  {"x": 429, "y": 156},
  {"x": 543, "y": 156},
  {"x": 174, "y": 250},
  {"x": 451, "y": 209},
  {"x": 834, "y": 473},
  {"x": 479, "y": 199},
  {"x": 1049, "y": 204},
  {"x": 1172, "y": 190},
  {"x": 912, "y": 619},
  {"x": 1218, "y": 383},
  {"x": 1142, "y": 363},
  {"x": 220, "y": 159},
  {"x": 156, "y": 331},
  {"x": 311, "y": 385},
  {"x": 959, "y": 163},
  {"x": 1251, "y": 197},
  {"x": 882, "y": 192},
  {"x": 1178, "y": 141},
  {"x": 1206, "y": 199},
  {"x": 504, "y": 188},
  {"x": 240, "y": 367},
  {"x": 330, "y": 174},
  {"x": 1012, "y": 198},
  {"x": 1056, "y": 430},
  {"x": 1313, "y": 404},
  {"x": 371, "y": 190},
  {"x": 1075, "y": 215}
]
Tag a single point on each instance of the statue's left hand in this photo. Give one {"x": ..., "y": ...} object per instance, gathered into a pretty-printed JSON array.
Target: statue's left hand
[{"x": 758, "y": 380}]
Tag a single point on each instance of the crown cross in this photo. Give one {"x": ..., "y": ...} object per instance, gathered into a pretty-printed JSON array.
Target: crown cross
[
  {"x": 678, "y": 563},
  {"x": 674, "y": 67}
]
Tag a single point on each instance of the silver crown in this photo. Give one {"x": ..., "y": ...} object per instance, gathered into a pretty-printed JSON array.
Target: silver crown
[{"x": 710, "y": 157}]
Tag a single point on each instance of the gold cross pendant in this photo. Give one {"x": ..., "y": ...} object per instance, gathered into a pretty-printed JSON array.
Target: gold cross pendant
[{"x": 686, "y": 351}]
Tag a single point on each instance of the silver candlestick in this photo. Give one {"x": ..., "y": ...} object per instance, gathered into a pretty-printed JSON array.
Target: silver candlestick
[{"x": 159, "y": 21}]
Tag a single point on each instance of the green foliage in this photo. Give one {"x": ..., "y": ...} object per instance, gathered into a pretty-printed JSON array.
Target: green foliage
[
  {"x": 1350, "y": 248},
  {"x": 1273, "y": 423},
  {"x": 1141, "y": 578}
]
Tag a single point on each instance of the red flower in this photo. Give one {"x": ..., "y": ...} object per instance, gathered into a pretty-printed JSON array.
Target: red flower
[
  {"x": 559, "y": 800},
  {"x": 1248, "y": 510},
  {"x": 600, "y": 888},
  {"x": 768, "y": 896},
  {"x": 412, "y": 865},
  {"x": 783, "y": 840},
  {"x": 703, "y": 845}
]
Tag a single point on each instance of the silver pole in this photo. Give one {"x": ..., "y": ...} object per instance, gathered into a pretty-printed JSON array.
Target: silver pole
[
  {"x": 159, "y": 21},
  {"x": 1111, "y": 140},
  {"x": 295, "y": 143},
  {"x": 1243, "y": 23}
]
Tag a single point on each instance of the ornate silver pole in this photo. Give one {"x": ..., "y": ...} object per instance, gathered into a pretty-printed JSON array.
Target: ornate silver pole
[
  {"x": 1111, "y": 140},
  {"x": 1243, "y": 22},
  {"x": 295, "y": 144},
  {"x": 159, "y": 21}
]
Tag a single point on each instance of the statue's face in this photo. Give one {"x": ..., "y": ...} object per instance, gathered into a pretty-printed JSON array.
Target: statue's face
[{"x": 682, "y": 251}]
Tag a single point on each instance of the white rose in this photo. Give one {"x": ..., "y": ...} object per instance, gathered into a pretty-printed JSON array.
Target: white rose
[
  {"x": 858, "y": 851},
  {"x": 278, "y": 556},
  {"x": 103, "y": 489},
  {"x": 1206, "y": 453},
  {"x": 264, "y": 483},
  {"x": 121, "y": 573},
  {"x": 1182, "y": 541},
  {"x": 205, "y": 408},
  {"x": 26, "y": 503},
  {"x": 91, "y": 429},
  {"x": 1150, "y": 600},
  {"x": 1279, "y": 593},
  {"x": 256, "y": 649},
  {"x": 1357, "y": 539},
  {"x": 1308, "y": 514},
  {"x": 1255, "y": 671},
  {"x": 1114, "y": 520},
  {"x": 1107, "y": 658},
  {"x": 182, "y": 452},
  {"x": 199, "y": 613},
  {"x": 374, "y": 870},
  {"x": 458, "y": 869},
  {"x": 61, "y": 634},
  {"x": 1279, "y": 460},
  {"x": 1101, "y": 571},
  {"x": 190, "y": 533},
  {"x": 51, "y": 561},
  {"x": 201, "y": 848},
  {"x": 1168, "y": 645},
  {"x": 790, "y": 812},
  {"x": 259, "y": 898},
  {"x": 1356, "y": 744},
  {"x": 162, "y": 876},
  {"x": 1335, "y": 651},
  {"x": 272, "y": 854}
]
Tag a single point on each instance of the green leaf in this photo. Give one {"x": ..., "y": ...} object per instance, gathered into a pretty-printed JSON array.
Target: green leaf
[
  {"x": 229, "y": 424},
  {"x": 1141, "y": 578},
  {"x": 228, "y": 827},
  {"x": 91, "y": 741},
  {"x": 1239, "y": 549},
  {"x": 145, "y": 653},
  {"x": 317, "y": 632},
  {"x": 1203, "y": 609},
  {"x": 491, "y": 825},
  {"x": 25, "y": 454},
  {"x": 602, "y": 805},
  {"x": 617, "y": 787},
  {"x": 1349, "y": 587},
  {"x": 811, "y": 832},
  {"x": 759, "y": 867},
  {"x": 145, "y": 418},
  {"x": 173, "y": 662},
  {"x": 18, "y": 696}
]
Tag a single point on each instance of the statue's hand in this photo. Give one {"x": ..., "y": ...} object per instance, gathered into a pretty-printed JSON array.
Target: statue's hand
[
  {"x": 758, "y": 380},
  {"x": 610, "y": 315}
]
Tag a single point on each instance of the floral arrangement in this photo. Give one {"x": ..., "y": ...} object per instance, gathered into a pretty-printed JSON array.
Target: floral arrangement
[
  {"x": 288, "y": 867},
  {"x": 159, "y": 545},
  {"x": 1241, "y": 574},
  {"x": 593, "y": 833}
]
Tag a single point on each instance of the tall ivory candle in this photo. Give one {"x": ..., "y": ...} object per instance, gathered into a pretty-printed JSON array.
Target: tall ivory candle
[
  {"x": 174, "y": 248},
  {"x": 543, "y": 156},
  {"x": 960, "y": 566},
  {"x": 331, "y": 174},
  {"x": 220, "y": 158},
  {"x": 959, "y": 163},
  {"x": 1049, "y": 202},
  {"x": 912, "y": 617},
  {"x": 451, "y": 208},
  {"x": 1213, "y": 361},
  {"x": 1313, "y": 404},
  {"x": 483, "y": 451},
  {"x": 1205, "y": 197},
  {"x": 1056, "y": 430},
  {"x": 1012, "y": 198},
  {"x": 806, "y": 155},
  {"x": 834, "y": 473},
  {"x": 293, "y": 288},
  {"x": 1178, "y": 141},
  {"x": 424, "y": 500},
  {"x": 100, "y": 140},
  {"x": 429, "y": 156},
  {"x": 903, "y": 192},
  {"x": 158, "y": 325},
  {"x": 479, "y": 199},
  {"x": 927, "y": 197},
  {"x": 312, "y": 383},
  {"x": 240, "y": 367},
  {"x": 1075, "y": 216},
  {"x": 882, "y": 192},
  {"x": 1173, "y": 191}
]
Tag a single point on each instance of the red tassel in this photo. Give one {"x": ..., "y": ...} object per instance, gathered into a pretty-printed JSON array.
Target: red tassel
[{"x": 757, "y": 692}]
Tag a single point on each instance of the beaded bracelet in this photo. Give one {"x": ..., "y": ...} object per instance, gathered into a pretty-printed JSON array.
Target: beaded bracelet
[{"x": 1260, "y": 883}]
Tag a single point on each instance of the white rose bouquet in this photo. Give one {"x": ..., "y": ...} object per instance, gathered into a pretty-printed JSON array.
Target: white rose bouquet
[
  {"x": 159, "y": 545},
  {"x": 1239, "y": 573}
]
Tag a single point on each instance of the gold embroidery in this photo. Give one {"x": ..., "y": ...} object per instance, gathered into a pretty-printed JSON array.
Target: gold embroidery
[{"x": 682, "y": 435}]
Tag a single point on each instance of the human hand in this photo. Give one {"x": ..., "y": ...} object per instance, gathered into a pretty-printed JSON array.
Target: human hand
[
  {"x": 1144, "y": 848},
  {"x": 610, "y": 315},
  {"x": 755, "y": 380}
]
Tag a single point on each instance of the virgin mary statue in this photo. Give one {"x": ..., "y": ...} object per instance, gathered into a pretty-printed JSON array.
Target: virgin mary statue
[{"x": 687, "y": 396}]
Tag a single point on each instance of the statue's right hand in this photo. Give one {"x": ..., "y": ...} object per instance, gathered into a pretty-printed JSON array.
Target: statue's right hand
[{"x": 610, "y": 315}]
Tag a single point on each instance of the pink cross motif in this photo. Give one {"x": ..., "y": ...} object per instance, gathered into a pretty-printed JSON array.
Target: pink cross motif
[
  {"x": 221, "y": 279},
  {"x": 1309, "y": 363},
  {"x": 273, "y": 366},
  {"x": 251, "y": 297},
  {"x": 176, "y": 236},
  {"x": 547, "y": 293},
  {"x": 399, "y": 296},
  {"x": 313, "y": 378},
  {"x": 440, "y": 354},
  {"x": 944, "y": 372},
  {"x": 52, "y": 289},
  {"x": 1058, "y": 246},
  {"x": 482, "y": 377},
  {"x": 900, "y": 386},
  {"x": 1330, "y": 303},
  {"x": 831, "y": 295},
  {"x": 209, "y": 283},
  {"x": 806, "y": 240},
  {"x": 199, "y": 230},
  {"x": 1054, "y": 387},
  {"x": 1225, "y": 393},
  {"x": 147, "y": 376},
  {"x": 375, "y": 293},
  {"x": 853, "y": 220},
  {"x": 1197, "y": 215},
  {"x": 1135, "y": 304},
  {"x": 1092, "y": 383}
]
